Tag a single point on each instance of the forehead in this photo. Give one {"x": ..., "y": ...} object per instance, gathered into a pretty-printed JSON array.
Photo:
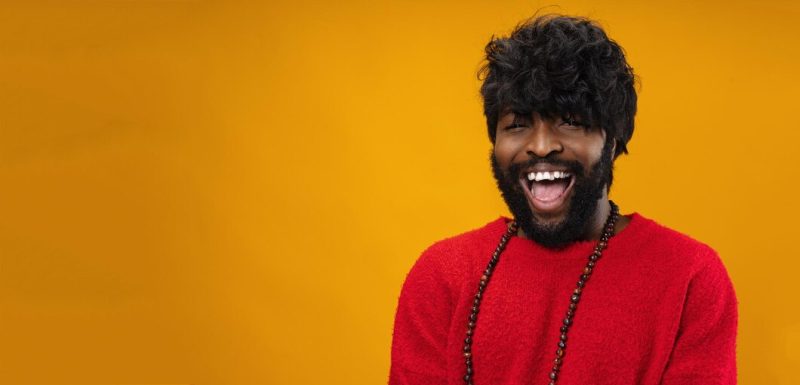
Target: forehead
[{"x": 510, "y": 113}]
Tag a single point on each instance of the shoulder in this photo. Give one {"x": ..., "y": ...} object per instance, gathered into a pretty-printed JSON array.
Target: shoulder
[
  {"x": 467, "y": 242},
  {"x": 671, "y": 248},
  {"x": 671, "y": 244},
  {"x": 450, "y": 260}
]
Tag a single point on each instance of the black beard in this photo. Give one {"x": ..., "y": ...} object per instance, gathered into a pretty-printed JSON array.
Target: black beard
[{"x": 587, "y": 190}]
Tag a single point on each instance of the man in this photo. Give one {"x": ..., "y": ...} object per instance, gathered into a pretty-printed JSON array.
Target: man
[{"x": 569, "y": 291}]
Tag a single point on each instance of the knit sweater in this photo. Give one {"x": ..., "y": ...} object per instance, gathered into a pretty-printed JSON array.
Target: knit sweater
[{"x": 659, "y": 308}]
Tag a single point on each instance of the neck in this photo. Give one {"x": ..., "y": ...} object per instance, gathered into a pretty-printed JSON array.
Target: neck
[
  {"x": 595, "y": 230},
  {"x": 598, "y": 221}
]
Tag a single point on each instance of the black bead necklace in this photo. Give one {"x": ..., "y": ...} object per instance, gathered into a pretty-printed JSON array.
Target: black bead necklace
[{"x": 608, "y": 232}]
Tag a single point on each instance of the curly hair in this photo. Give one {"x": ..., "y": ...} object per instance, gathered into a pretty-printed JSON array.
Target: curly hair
[{"x": 560, "y": 66}]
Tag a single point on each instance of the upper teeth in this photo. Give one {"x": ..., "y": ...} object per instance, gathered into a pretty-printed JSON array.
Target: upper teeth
[{"x": 547, "y": 175}]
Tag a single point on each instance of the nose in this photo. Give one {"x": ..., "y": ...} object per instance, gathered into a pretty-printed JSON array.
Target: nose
[{"x": 543, "y": 140}]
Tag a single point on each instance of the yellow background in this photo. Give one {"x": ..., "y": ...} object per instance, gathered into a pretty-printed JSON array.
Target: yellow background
[{"x": 198, "y": 192}]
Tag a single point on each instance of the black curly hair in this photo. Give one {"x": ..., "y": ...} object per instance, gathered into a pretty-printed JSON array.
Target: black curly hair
[{"x": 560, "y": 66}]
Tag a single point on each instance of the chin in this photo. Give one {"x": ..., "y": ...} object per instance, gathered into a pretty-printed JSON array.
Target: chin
[
  {"x": 551, "y": 218},
  {"x": 554, "y": 232}
]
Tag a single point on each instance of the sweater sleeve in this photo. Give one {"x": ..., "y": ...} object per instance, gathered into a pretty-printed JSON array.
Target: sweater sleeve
[
  {"x": 705, "y": 346},
  {"x": 424, "y": 311}
]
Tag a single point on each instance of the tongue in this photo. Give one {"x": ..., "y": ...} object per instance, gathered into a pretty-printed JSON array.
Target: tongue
[{"x": 548, "y": 191}]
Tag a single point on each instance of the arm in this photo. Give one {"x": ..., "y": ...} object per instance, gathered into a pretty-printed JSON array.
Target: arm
[
  {"x": 705, "y": 346},
  {"x": 424, "y": 311}
]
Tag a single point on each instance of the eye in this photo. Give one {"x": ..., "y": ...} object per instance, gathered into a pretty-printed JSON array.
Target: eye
[
  {"x": 570, "y": 122},
  {"x": 515, "y": 126},
  {"x": 517, "y": 123}
]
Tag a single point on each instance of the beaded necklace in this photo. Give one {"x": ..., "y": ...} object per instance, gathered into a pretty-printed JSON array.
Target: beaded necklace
[{"x": 608, "y": 232}]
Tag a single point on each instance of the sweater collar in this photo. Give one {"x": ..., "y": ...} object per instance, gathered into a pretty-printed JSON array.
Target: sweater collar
[{"x": 579, "y": 249}]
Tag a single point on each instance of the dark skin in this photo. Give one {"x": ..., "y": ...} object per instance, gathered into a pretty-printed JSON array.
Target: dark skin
[{"x": 520, "y": 138}]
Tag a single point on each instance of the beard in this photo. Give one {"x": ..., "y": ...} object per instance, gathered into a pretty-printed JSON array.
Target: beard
[{"x": 586, "y": 192}]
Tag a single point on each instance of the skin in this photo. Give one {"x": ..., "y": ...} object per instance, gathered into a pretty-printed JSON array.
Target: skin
[{"x": 520, "y": 138}]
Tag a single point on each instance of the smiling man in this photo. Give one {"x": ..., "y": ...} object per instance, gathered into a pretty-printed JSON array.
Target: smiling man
[{"x": 569, "y": 291}]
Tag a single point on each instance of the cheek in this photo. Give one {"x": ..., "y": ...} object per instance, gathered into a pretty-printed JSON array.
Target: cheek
[
  {"x": 505, "y": 149},
  {"x": 592, "y": 149},
  {"x": 502, "y": 154},
  {"x": 596, "y": 152}
]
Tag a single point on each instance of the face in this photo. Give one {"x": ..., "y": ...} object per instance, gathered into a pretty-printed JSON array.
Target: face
[{"x": 552, "y": 172}]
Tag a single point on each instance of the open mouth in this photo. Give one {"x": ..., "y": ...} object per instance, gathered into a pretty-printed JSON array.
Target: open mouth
[{"x": 547, "y": 190}]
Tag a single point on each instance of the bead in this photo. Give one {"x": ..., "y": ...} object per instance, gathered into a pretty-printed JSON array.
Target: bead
[
  {"x": 585, "y": 277},
  {"x": 587, "y": 270},
  {"x": 562, "y": 344},
  {"x": 469, "y": 332},
  {"x": 572, "y": 306},
  {"x": 557, "y": 361},
  {"x": 563, "y": 336},
  {"x": 577, "y": 291},
  {"x": 590, "y": 264},
  {"x": 553, "y": 375},
  {"x": 467, "y": 348},
  {"x": 467, "y": 378},
  {"x": 575, "y": 298},
  {"x": 564, "y": 328},
  {"x": 468, "y": 340},
  {"x": 467, "y": 354},
  {"x": 560, "y": 352},
  {"x": 567, "y": 321},
  {"x": 581, "y": 283}
]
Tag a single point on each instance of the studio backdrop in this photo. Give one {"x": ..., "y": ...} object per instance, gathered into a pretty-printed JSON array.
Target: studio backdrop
[{"x": 232, "y": 192}]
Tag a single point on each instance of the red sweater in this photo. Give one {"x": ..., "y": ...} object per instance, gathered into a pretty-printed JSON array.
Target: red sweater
[{"x": 658, "y": 309}]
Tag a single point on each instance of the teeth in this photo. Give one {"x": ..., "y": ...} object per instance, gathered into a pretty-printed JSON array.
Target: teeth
[{"x": 546, "y": 175}]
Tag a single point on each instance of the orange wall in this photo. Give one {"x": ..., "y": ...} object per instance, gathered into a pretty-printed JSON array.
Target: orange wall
[{"x": 199, "y": 192}]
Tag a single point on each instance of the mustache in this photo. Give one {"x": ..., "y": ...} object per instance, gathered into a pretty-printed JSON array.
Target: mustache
[{"x": 572, "y": 166}]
